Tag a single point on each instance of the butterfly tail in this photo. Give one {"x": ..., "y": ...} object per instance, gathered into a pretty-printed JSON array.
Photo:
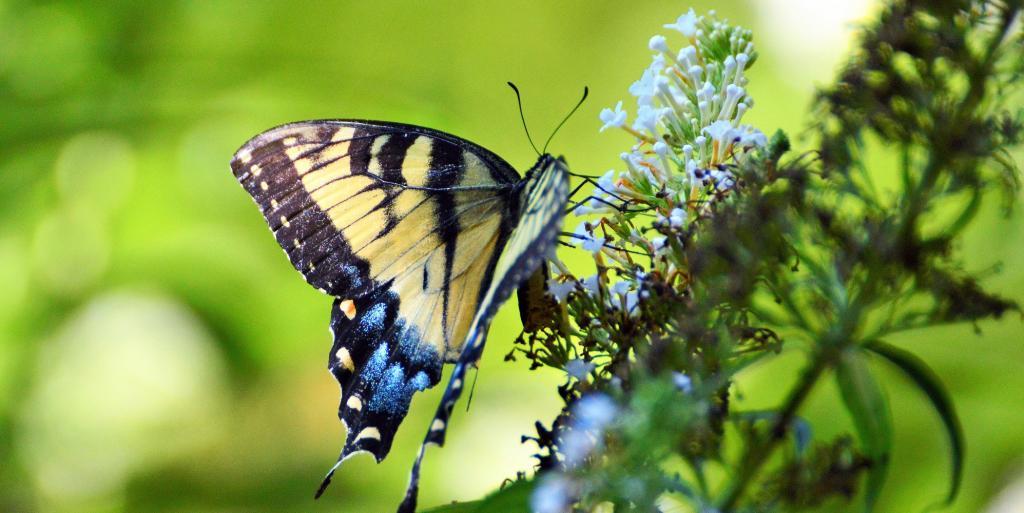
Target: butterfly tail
[{"x": 327, "y": 479}]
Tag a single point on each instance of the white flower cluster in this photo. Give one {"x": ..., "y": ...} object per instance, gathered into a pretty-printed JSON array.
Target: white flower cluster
[
  {"x": 591, "y": 415},
  {"x": 689, "y": 138},
  {"x": 690, "y": 105},
  {"x": 688, "y": 128}
]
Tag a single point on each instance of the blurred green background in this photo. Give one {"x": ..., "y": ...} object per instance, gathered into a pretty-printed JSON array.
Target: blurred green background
[{"x": 157, "y": 351}]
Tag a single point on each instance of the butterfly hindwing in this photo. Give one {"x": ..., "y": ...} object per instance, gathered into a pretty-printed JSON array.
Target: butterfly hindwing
[{"x": 541, "y": 211}]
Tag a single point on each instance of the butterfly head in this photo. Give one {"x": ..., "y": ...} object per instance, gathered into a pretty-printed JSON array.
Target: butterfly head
[{"x": 544, "y": 163}]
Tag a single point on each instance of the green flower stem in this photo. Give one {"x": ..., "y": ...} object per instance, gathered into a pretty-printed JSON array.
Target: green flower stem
[{"x": 758, "y": 452}]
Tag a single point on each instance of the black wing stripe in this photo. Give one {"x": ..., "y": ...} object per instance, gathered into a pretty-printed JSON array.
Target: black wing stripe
[
  {"x": 414, "y": 246},
  {"x": 446, "y": 157}
]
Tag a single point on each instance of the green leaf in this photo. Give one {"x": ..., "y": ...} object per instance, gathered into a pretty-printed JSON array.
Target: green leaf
[
  {"x": 871, "y": 417},
  {"x": 929, "y": 383},
  {"x": 514, "y": 498}
]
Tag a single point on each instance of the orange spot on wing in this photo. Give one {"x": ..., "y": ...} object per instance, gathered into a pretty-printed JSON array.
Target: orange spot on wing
[{"x": 348, "y": 307}]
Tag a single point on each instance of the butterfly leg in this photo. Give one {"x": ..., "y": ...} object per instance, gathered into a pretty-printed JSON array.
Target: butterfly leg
[
  {"x": 588, "y": 180},
  {"x": 622, "y": 208}
]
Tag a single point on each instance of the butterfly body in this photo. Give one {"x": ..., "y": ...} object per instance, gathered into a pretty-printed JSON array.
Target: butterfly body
[{"x": 419, "y": 235}]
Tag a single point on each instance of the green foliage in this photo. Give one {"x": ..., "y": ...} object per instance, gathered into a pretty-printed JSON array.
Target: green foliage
[
  {"x": 926, "y": 380},
  {"x": 870, "y": 411},
  {"x": 513, "y": 498},
  {"x": 710, "y": 257}
]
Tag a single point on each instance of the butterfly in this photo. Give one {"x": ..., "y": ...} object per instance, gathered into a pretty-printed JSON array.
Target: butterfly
[{"x": 420, "y": 236}]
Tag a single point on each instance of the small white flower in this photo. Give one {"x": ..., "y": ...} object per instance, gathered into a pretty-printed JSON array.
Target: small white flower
[
  {"x": 659, "y": 243},
  {"x": 721, "y": 131},
  {"x": 583, "y": 237},
  {"x": 687, "y": 57},
  {"x": 696, "y": 72},
  {"x": 647, "y": 118},
  {"x": 632, "y": 298},
  {"x": 596, "y": 205},
  {"x": 682, "y": 382},
  {"x": 560, "y": 290},
  {"x": 741, "y": 109},
  {"x": 591, "y": 284},
  {"x": 691, "y": 169},
  {"x": 594, "y": 244},
  {"x": 594, "y": 411},
  {"x": 607, "y": 181},
  {"x": 723, "y": 179},
  {"x": 686, "y": 24},
  {"x": 613, "y": 118},
  {"x": 576, "y": 445},
  {"x": 677, "y": 217},
  {"x": 657, "y": 63},
  {"x": 658, "y": 44},
  {"x": 578, "y": 368},
  {"x": 581, "y": 233},
  {"x": 661, "y": 148},
  {"x": 582, "y": 210},
  {"x": 552, "y": 495},
  {"x": 644, "y": 89},
  {"x": 620, "y": 288},
  {"x": 753, "y": 137}
]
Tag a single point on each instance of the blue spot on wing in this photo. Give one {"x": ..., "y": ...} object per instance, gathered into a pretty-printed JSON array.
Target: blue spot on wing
[
  {"x": 420, "y": 381},
  {"x": 352, "y": 274},
  {"x": 373, "y": 320},
  {"x": 393, "y": 394},
  {"x": 375, "y": 365}
]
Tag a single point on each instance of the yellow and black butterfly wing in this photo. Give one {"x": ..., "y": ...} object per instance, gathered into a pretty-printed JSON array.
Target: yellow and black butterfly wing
[
  {"x": 404, "y": 226},
  {"x": 541, "y": 204}
]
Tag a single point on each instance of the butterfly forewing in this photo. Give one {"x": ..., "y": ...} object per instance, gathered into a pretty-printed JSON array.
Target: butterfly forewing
[{"x": 404, "y": 226}]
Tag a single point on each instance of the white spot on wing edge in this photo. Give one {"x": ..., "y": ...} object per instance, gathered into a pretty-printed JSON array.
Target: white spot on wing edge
[
  {"x": 256, "y": 169},
  {"x": 438, "y": 425},
  {"x": 355, "y": 403},
  {"x": 345, "y": 359},
  {"x": 370, "y": 433},
  {"x": 244, "y": 156}
]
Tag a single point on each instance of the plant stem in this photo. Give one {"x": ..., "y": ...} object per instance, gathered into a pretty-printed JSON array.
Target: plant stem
[{"x": 758, "y": 452}]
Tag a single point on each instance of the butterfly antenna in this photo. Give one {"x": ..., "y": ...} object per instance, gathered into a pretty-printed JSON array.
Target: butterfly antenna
[
  {"x": 519, "y": 100},
  {"x": 586, "y": 91}
]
